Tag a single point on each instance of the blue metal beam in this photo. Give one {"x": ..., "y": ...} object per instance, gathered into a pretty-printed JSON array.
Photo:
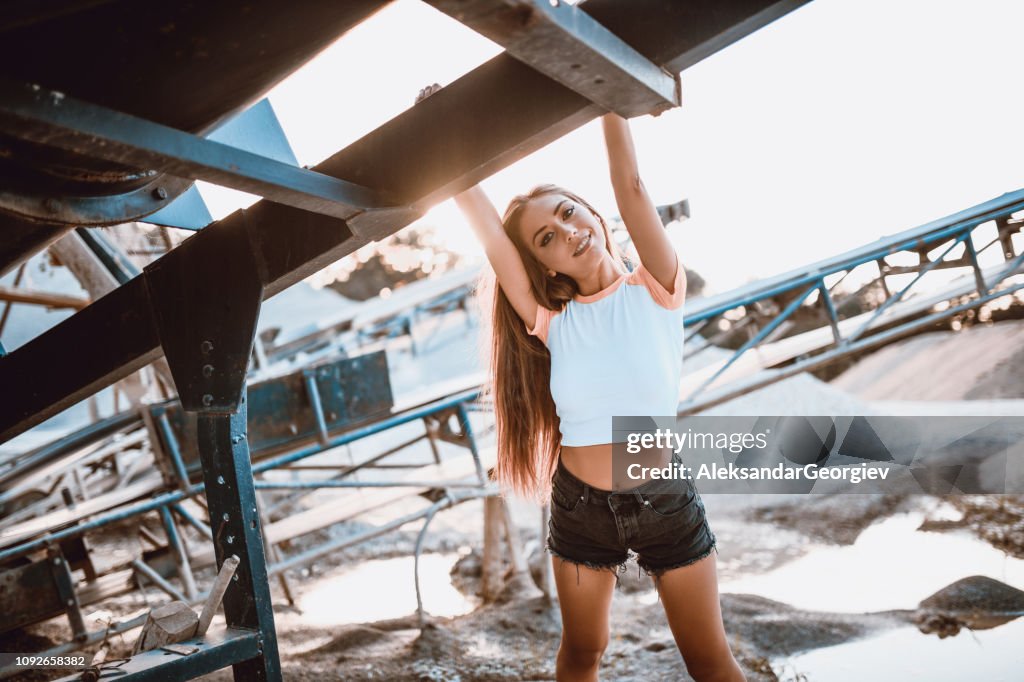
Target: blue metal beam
[{"x": 34, "y": 114}]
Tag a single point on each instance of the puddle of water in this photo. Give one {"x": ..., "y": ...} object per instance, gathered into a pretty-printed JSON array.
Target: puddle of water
[
  {"x": 906, "y": 654},
  {"x": 384, "y": 588},
  {"x": 890, "y": 566}
]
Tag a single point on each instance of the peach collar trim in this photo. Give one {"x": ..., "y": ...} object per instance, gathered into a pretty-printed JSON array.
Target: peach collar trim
[{"x": 604, "y": 293}]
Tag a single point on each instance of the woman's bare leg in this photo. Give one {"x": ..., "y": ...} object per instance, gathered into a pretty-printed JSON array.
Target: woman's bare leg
[
  {"x": 585, "y": 609},
  {"x": 690, "y": 597}
]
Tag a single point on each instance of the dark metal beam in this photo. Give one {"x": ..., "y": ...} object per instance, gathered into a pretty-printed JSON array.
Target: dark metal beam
[
  {"x": 483, "y": 122},
  {"x": 34, "y": 114},
  {"x": 566, "y": 44}
]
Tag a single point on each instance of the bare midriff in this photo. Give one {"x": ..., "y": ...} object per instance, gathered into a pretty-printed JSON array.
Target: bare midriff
[{"x": 592, "y": 464}]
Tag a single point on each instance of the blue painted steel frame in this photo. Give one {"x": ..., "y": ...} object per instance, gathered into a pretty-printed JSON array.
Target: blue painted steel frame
[
  {"x": 273, "y": 463},
  {"x": 32, "y": 113},
  {"x": 957, "y": 228},
  {"x": 935, "y": 231}
]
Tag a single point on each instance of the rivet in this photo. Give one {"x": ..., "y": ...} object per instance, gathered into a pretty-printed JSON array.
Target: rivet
[
  {"x": 231, "y": 539},
  {"x": 226, "y": 517},
  {"x": 207, "y": 370},
  {"x": 235, "y": 577},
  {"x": 207, "y": 400},
  {"x": 71, "y": 602},
  {"x": 220, "y": 479},
  {"x": 206, "y": 346},
  {"x": 160, "y": 193},
  {"x": 56, "y": 561}
]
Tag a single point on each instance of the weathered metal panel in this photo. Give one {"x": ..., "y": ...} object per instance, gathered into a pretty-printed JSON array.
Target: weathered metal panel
[{"x": 353, "y": 391}]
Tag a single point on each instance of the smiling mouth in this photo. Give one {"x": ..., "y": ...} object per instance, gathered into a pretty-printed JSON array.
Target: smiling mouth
[{"x": 584, "y": 245}]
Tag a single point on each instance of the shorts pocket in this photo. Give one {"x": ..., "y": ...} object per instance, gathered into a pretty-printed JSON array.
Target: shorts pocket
[
  {"x": 566, "y": 502},
  {"x": 670, "y": 502}
]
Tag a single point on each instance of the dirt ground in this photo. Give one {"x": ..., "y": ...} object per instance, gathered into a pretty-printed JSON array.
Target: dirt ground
[{"x": 517, "y": 638}]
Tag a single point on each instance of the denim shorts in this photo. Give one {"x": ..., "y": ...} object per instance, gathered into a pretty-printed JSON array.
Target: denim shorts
[{"x": 662, "y": 521}]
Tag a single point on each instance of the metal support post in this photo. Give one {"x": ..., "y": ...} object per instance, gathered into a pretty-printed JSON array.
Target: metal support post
[
  {"x": 208, "y": 342},
  {"x": 972, "y": 253},
  {"x": 830, "y": 308},
  {"x": 177, "y": 544},
  {"x": 467, "y": 432},
  {"x": 315, "y": 404},
  {"x": 232, "y": 499}
]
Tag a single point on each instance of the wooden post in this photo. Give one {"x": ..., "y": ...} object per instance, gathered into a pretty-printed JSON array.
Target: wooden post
[
  {"x": 490, "y": 576},
  {"x": 521, "y": 580}
]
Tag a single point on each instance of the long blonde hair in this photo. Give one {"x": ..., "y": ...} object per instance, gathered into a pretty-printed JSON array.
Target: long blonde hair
[{"x": 527, "y": 434}]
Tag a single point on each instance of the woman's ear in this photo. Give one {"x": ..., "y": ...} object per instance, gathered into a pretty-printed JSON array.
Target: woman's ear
[{"x": 551, "y": 273}]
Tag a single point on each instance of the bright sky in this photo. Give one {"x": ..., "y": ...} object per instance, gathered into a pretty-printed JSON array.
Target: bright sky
[{"x": 841, "y": 122}]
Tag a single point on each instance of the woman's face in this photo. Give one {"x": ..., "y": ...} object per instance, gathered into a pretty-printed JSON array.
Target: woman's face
[{"x": 563, "y": 235}]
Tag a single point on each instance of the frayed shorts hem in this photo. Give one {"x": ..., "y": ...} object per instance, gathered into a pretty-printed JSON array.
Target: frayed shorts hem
[
  {"x": 618, "y": 567},
  {"x": 615, "y": 567},
  {"x": 656, "y": 573}
]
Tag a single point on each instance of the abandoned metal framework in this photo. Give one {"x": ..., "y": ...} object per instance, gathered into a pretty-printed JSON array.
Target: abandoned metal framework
[
  {"x": 101, "y": 140},
  {"x": 762, "y": 310}
]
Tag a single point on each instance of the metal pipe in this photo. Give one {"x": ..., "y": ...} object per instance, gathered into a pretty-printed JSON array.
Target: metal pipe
[
  {"x": 757, "y": 338},
  {"x": 158, "y": 580},
  {"x": 181, "y": 555},
  {"x": 193, "y": 521},
  {"x": 341, "y": 543},
  {"x": 173, "y": 450},
  {"x": 313, "y": 392},
  {"x": 331, "y": 483},
  {"x": 899, "y": 294},
  {"x": 369, "y": 430},
  {"x": 431, "y": 511}
]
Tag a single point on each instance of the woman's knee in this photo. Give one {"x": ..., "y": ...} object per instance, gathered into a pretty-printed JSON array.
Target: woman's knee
[{"x": 582, "y": 655}]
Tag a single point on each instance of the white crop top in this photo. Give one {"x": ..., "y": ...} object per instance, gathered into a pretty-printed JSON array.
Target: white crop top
[{"x": 618, "y": 352}]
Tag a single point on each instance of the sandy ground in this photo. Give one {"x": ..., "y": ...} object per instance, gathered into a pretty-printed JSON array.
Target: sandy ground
[
  {"x": 517, "y": 639},
  {"x": 989, "y": 365}
]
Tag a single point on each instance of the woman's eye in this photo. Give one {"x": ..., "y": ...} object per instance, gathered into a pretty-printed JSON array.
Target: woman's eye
[
  {"x": 568, "y": 213},
  {"x": 546, "y": 238}
]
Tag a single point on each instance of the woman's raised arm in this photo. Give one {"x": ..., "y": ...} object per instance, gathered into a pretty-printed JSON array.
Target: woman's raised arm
[
  {"x": 635, "y": 206},
  {"x": 501, "y": 252}
]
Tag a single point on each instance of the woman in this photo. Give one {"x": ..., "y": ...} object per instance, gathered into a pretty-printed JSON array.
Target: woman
[{"x": 576, "y": 339}]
